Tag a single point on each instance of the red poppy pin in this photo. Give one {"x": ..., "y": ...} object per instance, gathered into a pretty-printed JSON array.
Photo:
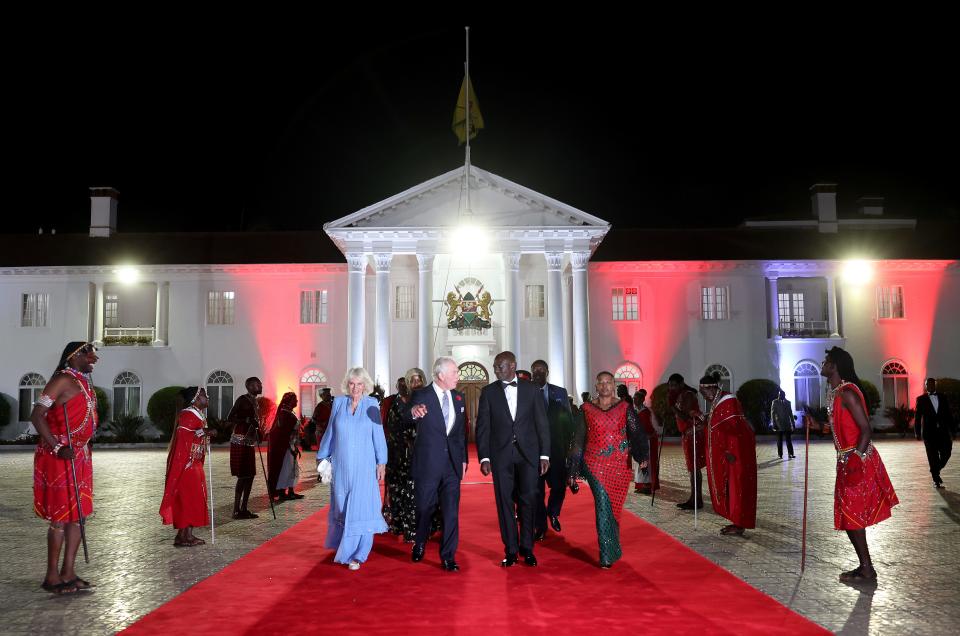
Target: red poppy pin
[{"x": 459, "y": 398}]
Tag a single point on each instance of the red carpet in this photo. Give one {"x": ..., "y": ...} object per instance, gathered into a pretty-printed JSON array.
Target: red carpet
[{"x": 659, "y": 586}]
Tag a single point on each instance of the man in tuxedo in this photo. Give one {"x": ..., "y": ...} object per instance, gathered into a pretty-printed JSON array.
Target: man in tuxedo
[
  {"x": 513, "y": 442},
  {"x": 439, "y": 459},
  {"x": 934, "y": 425},
  {"x": 556, "y": 403}
]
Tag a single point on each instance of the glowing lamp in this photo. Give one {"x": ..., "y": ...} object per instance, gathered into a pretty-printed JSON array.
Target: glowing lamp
[
  {"x": 857, "y": 272},
  {"x": 469, "y": 237},
  {"x": 128, "y": 275}
]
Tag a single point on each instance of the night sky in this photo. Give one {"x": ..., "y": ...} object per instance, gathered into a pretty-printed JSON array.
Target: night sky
[{"x": 206, "y": 128}]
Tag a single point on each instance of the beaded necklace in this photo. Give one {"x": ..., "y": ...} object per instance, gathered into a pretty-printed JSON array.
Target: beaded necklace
[
  {"x": 831, "y": 396},
  {"x": 88, "y": 396}
]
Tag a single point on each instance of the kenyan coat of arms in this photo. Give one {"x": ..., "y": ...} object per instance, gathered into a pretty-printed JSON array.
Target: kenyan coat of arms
[{"x": 469, "y": 306}]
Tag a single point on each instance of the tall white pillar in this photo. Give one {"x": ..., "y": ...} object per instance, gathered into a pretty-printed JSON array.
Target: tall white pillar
[
  {"x": 774, "y": 306},
  {"x": 581, "y": 322},
  {"x": 832, "y": 317},
  {"x": 425, "y": 312},
  {"x": 381, "y": 359},
  {"x": 98, "y": 316},
  {"x": 356, "y": 324},
  {"x": 568, "y": 381},
  {"x": 514, "y": 303},
  {"x": 555, "y": 314},
  {"x": 160, "y": 324}
]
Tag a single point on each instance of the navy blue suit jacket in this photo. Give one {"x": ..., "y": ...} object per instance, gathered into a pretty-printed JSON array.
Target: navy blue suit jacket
[{"x": 433, "y": 447}]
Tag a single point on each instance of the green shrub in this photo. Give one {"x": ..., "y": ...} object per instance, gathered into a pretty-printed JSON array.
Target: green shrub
[
  {"x": 871, "y": 395},
  {"x": 126, "y": 429},
  {"x": 103, "y": 404},
  {"x": 901, "y": 416},
  {"x": 162, "y": 409},
  {"x": 950, "y": 387},
  {"x": 663, "y": 411},
  {"x": 4, "y": 411},
  {"x": 755, "y": 397},
  {"x": 223, "y": 430}
]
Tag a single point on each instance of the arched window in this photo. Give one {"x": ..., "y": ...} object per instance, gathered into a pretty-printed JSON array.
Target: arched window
[
  {"x": 472, "y": 372},
  {"x": 726, "y": 378},
  {"x": 220, "y": 394},
  {"x": 895, "y": 391},
  {"x": 806, "y": 385},
  {"x": 312, "y": 383},
  {"x": 31, "y": 385},
  {"x": 629, "y": 374},
  {"x": 126, "y": 394}
]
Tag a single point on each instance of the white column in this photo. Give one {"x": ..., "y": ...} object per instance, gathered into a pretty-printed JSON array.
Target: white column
[
  {"x": 160, "y": 324},
  {"x": 356, "y": 325},
  {"x": 774, "y": 306},
  {"x": 382, "y": 356},
  {"x": 581, "y": 322},
  {"x": 98, "y": 316},
  {"x": 425, "y": 312},
  {"x": 555, "y": 314},
  {"x": 514, "y": 303},
  {"x": 834, "y": 323},
  {"x": 569, "y": 380}
]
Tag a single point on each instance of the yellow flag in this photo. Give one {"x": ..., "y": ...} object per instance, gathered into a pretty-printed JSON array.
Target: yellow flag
[{"x": 460, "y": 112}]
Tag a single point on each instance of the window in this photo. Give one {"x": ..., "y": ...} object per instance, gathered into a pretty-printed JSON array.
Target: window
[
  {"x": 726, "y": 378},
  {"x": 313, "y": 307},
  {"x": 31, "y": 385},
  {"x": 806, "y": 385},
  {"x": 895, "y": 392},
  {"x": 403, "y": 303},
  {"x": 792, "y": 314},
  {"x": 626, "y": 303},
  {"x": 890, "y": 302},
  {"x": 111, "y": 311},
  {"x": 126, "y": 395},
  {"x": 220, "y": 306},
  {"x": 220, "y": 394},
  {"x": 34, "y": 310},
  {"x": 630, "y": 375},
  {"x": 312, "y": 383},
  {"x": 533, "y": 301},
  {"x": 714, "y": 303}
]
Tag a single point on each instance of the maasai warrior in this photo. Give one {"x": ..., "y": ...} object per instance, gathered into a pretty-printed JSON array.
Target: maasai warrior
[
  {"x": 54, "y": 489},
  {"x": 863, "y": 495},
  {"x": 686, "y": 408},
  {"x": 245, "y": 416},
  {"x": 731, "y": 458},
  {"x": 283, "y": 456},
  {"x": 646, "y": 480},
  {"x": 184, "y": 503},
  {"x": 321, "y": 414},
  {"x": 601, "y": 452}
]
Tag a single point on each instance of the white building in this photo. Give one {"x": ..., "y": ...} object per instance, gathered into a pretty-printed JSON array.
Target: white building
[{"x": 421, "y": 275}]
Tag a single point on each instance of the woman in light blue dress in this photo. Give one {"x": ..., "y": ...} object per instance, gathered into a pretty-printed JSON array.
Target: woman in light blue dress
[{"x": 355, "y": 445}]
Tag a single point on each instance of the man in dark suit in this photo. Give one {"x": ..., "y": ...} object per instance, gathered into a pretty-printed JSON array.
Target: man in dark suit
[
  {"x": 556, "y": 403},
  {"x": 513, "y": 442},
  {"x": 934, "y": 425},
  {"x": 439, "y": 459}
]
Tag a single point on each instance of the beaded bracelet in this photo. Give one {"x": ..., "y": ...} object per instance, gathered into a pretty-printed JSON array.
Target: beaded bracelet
[
  {"x": 45, "y": 400},
  {"x": 56, "y": 449}
]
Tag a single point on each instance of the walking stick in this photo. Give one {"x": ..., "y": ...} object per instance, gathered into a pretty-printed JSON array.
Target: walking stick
[
  {"x": 263, "y": 469},
  {"x": 695, "y": 471},
  {"x": 76, "y": 488},
  {"x": 806, "y": 466},
  {"x": 213, "y": 533}
]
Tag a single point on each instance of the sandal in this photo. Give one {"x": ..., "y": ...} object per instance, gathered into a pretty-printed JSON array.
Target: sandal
[
  {"x": 64, "y": 587},
  {"x": 80, "y": 584},
  {"x": 732, "y": 530},
  {"x": 858, "y": 576}
]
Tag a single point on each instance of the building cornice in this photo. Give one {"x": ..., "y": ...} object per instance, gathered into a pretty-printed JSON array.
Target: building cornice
[
  {"x": 151, "y": 271},
  {"x": 770, "y": 268}
]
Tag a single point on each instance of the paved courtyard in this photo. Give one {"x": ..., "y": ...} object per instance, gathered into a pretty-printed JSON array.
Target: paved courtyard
[{"x": 136, "y": 568}]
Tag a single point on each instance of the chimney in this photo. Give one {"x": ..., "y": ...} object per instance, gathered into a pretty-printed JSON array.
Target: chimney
[
  {"x": 823, "y": 196},
  {"x": 103, "y": 212},
  {"x": 870, "y": 206}
]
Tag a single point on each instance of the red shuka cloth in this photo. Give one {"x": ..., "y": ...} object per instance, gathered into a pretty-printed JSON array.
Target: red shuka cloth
[
  {"x": 645, "y": 418},
  {"x": 54, "y": 494},
  {"x": 184, "y": 501},
  {"x": 686, "y": 403},
  {"x": 733, "y": 485},
  {"x": 279, "y": 437},
  {"x": 863, "y": 495}
]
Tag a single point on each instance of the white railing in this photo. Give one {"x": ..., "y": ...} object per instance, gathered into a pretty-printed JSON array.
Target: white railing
[
  {"x": 128, "y": 335},
  {"x": 804, "y": 329}
]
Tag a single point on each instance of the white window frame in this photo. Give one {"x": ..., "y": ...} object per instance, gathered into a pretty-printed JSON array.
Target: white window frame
[
  {"x": 34, "y": 309},
  {"x": 726, "y": 376},
  {"x": 111, "y": 305},
  {"x": 404, "y": 302},
  {"x": 218, "y": 407},
  {"x": 625, "y": 303},
  {"x": 630, "y": 374},
  {"x": 534, "y": 301},
  {"x": 813, "y": 376},
  {"x": 888, "y": 301},
  {"x": 313, "y": 306},
  {"x": 126, "y": 380},
  {"x": 714, "y": 302},
  {"x": 221, "y": 307},
  {"x": 896, "y": 371},
  {"x": 314, "y": 380},
  {"x": 31, "y": 383}
]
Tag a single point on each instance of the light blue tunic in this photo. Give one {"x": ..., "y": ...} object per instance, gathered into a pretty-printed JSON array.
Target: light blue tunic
[{"x": 355, "y": 444}]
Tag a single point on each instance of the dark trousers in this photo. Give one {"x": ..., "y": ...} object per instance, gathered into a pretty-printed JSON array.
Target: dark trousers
[
  {"x": 439, "y": 488},
  {"x": 938, "y": 452},
  {"x": 780, "y": 436},
  {"x": 556, "y": 478},
  {"x": 509, "y": 470}
]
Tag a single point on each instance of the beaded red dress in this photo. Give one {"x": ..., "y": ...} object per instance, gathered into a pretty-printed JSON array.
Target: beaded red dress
[
  {"x": 733, "y": 484},
  {"x": 54, "y": 495},
  {"x": 863, "y": 494},
  {"x": 184, "y": 501}
]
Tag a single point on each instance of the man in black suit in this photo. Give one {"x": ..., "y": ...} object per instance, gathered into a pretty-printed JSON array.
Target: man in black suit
[
  {"x": 556, "y": 403},
  {"x": 439, "y": 459},
  {"x": 934, "y": 425},
  {"x": 513, "y": 442}
]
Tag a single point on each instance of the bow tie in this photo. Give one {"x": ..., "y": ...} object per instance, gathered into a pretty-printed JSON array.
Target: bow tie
[{"x": 514, "y": 383}]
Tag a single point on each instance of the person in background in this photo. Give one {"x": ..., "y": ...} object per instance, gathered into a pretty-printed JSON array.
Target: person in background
[
  {"x": 283, "y": 454},
  {"x": 245, "y": 417},
  {"x": 782, "y": 420},
  {"x": 934, "y": 425},
  {"x": 646, "y": 480}
]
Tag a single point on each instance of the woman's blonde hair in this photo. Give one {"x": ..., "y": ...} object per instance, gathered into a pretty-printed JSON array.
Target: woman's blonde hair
[
  {"x": 408, "y": 376},
  {"x": 357, "y": 372}
]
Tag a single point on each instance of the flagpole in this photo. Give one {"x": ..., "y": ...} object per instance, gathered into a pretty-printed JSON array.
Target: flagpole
[{"x": 466, "y": 165}]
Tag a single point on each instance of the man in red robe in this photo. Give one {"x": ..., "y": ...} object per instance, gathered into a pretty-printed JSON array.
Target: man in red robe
[
  {"x": 686, "y": 408},
  {"x": 645, "y": 418},
  {"x": 282, "y": 449},
  {"x": 184, "y": 503},
  {"x": 65, "y": 417},
  {"x": 245, "y": 416},
  {"x": 731, "y": 458}
]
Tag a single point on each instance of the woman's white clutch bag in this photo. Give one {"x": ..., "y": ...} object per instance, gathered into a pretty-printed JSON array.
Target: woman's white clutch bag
[{"x": 325, "y": 470}]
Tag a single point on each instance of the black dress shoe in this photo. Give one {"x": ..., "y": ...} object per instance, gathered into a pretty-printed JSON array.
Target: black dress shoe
[
  {"x": 529, "y": 559},
  {"x": 555, "y": 523},
  {"x": 539, "y": 534},
  {"x": 295, "y": 495},
  {"x": 451, "y": 566},
  {"x": 417, "y": 554},
  {"x": 575, "y": 487},
  {"x": 508, "y": 560}
]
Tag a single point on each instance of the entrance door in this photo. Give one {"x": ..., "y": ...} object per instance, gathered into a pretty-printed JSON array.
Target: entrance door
[{"x": 473, "y": 377}]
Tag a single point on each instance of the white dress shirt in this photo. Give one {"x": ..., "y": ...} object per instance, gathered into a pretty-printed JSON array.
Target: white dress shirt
[
  {"x": 935, "y": 401},
  {"x": 510, "y": 392},
  {"x": 451, "y": 414}
]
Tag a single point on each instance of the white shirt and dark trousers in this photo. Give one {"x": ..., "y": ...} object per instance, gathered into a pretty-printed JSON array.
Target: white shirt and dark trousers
[{"x": 934, "y": 425}]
